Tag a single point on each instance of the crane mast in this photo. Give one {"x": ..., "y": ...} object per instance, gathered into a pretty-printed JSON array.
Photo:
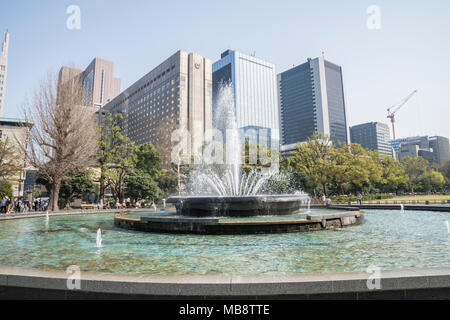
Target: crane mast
[{"x": 394, "y": 109}]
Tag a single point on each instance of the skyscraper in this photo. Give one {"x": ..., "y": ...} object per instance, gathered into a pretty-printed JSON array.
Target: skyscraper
[
  {"x": 3, "y": 71},
  {"x": 373, "y": 136},
  {"x": 99, "y": 84},
  {"x": 175, "y": 95},
  {"x": 254, "y": 84},
  {"x": 312, "y": 100}
]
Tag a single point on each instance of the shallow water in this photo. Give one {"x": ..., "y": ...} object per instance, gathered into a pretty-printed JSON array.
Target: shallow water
[{"x": 386, "y": 239}]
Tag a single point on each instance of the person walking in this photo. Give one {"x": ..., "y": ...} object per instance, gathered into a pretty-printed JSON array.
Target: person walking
[{"x": 360, "y": 198}]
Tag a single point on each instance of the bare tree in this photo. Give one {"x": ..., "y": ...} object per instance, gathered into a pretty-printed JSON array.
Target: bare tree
[
  {"x": 64, "y": 136},
  {"x": 165, "y": 145}
]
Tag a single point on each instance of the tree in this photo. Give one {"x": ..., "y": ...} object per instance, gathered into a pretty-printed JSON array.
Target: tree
[
  {"x": 168, "y": 182},
  {"x": 312, "y": 157},
  {"x": 148, "y": 160},
  {"x": 393, "y": 176},
  {"x": 64, "y": 136},
  {"x": 433, "y": 181},
  {"x": 75, "y": 185},
  {"x": 124, "y": 158},
  {"x": 111, "y": 138},
  {"x": 445, "y": 170},
  {"x": 6, "y": 189},
  {"x": 141, "y": 182},
  {"x": 415, "y": 168},
  {"x": 140, "y": 185},
  {"x": 9, "y": 164}
]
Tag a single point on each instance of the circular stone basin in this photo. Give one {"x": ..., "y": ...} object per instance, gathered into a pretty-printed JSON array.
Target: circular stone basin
[{"x": 238, "y": 206}]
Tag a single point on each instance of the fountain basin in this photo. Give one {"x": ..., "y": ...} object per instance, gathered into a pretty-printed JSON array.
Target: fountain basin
[{"x": 238, "y": 206}]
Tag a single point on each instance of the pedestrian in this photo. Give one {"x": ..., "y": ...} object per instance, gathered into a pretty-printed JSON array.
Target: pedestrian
[
  {"x": 3, "y": 205},
  {"x": 359, "y": 198},
  {"x": 8, "y": 205},
  {"x": 324, "y": 199}
]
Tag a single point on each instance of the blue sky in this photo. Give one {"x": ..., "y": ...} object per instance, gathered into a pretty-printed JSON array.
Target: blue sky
[{"x": 410, "y": 51}]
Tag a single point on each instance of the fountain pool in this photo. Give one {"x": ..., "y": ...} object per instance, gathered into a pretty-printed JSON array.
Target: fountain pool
[{"x": 386, "y": 240}]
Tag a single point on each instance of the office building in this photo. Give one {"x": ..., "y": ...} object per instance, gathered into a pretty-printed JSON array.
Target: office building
[
  {"x": 312, "y": 101},
  {"x": 176, "y": 94},
  {"x": 435, "y": 149},
  {"x": 254, "y": 86},
  {"x": 97, "y": 80},
  {"x": 374, "y": 136},
  {"x": 16, "y": 132},
  {"x": 3, "y": 71},
  {"x": 441, "y": 149}
]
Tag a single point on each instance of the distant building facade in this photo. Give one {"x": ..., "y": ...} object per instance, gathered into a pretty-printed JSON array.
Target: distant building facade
[
  {"x": 16, "y": 131},
  {"x": 98, "y": 81},
  {"x": 3, "y": 71},
  {"x": 374, "y": 136},
  {"x": 175, "y": 95},
  {"x": 254, "y": 84},
  {"x": 435, "y": 149},
  {"x": 312, "y": 101}
]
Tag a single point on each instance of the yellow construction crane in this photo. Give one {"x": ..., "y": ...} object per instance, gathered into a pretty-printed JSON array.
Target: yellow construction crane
[{"x": 394, "y": 109}]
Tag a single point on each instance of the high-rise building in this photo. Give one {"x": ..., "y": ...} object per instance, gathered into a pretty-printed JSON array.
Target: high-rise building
[
  {"x": 434, "y": 149},
  {"x": 99, "y": 84},
  {"x": 373, "y": 136},
  {"x": 175, "y": 95},
  {"x": 3, "y": 71},
  {"x": 254, "y": 84},
  {"x": 441, "y": 149},
  {"x": 312, "y": 101}
]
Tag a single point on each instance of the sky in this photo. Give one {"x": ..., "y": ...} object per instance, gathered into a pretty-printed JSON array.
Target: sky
[{"x": 410, "y": 51}]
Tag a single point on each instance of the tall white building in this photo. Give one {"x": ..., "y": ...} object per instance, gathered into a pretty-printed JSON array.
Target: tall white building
[
  {"x": 254, "y": 83},
  {"x": 3, "y": 70}
]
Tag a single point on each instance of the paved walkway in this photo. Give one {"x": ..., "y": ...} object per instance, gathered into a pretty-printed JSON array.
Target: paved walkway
[{"x": 38, "y": 214}]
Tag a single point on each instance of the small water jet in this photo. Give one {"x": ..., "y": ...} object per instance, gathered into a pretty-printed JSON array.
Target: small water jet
[
  {"x": 99, "y": 238},
  {"x": 448, "y": 227},
  {"x": 402, "y": 208}
]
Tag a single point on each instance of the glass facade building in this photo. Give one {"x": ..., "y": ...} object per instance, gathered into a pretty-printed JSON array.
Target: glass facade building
[
  {"x": 3, "y": 70},
  {"x": 312, "y": 100},
  {"x": 374, "y": 136},
  {"x": 254, "y": 84}
]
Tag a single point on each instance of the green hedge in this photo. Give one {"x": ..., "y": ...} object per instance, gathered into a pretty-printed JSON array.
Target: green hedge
[{"x": 368, "y": 197}]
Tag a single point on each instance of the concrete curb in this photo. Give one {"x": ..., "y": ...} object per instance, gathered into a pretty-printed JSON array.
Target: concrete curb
[{"x": 400, "y": 281}]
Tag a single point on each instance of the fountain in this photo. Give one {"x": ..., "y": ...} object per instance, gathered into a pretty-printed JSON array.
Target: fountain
[
  {"x": 402, "y": 208},
  {"x": 99, "y": 238},
  {"x": 223, "y": 197},
  {"x": 448, "y": 227},
  {"x": 221, "y": 191}
]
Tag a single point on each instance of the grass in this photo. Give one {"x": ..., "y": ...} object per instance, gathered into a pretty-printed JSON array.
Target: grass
[{"x": 422, "y": 198}]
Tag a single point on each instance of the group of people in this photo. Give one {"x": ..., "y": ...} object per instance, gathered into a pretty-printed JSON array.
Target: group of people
[
  {"x": 5, "y": 205},
  {"x": 22, "y": 206}
]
